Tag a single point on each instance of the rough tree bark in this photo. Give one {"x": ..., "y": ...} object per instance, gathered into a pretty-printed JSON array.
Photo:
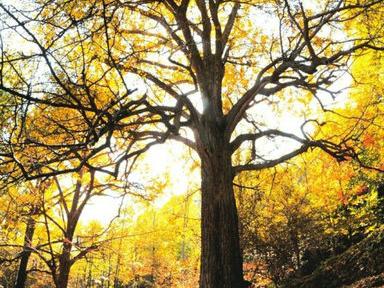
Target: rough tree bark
[{"x": 221, "y": 260}]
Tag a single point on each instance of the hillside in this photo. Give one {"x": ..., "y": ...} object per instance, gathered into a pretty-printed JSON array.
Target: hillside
[{"x": 356, "y": 267}]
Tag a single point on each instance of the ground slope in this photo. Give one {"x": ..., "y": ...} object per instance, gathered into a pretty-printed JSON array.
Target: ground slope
[{"x": 350, "y": 269}]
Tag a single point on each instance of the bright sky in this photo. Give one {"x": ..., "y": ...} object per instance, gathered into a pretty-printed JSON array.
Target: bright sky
[{"x": 166, "y": 163}]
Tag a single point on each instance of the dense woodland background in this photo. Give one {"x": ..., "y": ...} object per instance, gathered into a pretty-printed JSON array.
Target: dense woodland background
[{"x": 282, "y": 128}]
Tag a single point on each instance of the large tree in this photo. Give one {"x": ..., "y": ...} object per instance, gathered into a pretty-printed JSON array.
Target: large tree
[{"x": 204, "y": 71}]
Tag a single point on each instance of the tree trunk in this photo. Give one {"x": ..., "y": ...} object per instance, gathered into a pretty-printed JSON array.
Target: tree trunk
[
  {"x": 22, "y": 272},
  {"x": 221, "y": 259},
  {"x": 65, "y": 261},
  {"x": 64, "y": 266}
]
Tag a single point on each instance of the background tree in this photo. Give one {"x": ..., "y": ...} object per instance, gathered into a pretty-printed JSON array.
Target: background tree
[
  {"x": 300, "y": 214},
  {"x": 20, "y": 211},
  {"x": 54, "y": 215},
  {"x": 209, "y": 70}
]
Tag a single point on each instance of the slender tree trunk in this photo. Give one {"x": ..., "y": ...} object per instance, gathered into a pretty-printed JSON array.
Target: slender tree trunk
[
  {"x": 65, "y": 261},
  {"x": 221, "y": 259},
  {"x": 22, "y": 272}
]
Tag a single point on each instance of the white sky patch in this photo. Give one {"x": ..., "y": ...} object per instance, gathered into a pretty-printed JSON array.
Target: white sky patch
[
  {"x": 101, "y": 208},
  {"x": 165, "y": 167}
]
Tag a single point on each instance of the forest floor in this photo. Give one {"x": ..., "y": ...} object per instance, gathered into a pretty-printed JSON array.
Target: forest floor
[{"x": 362, "y": 265}]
